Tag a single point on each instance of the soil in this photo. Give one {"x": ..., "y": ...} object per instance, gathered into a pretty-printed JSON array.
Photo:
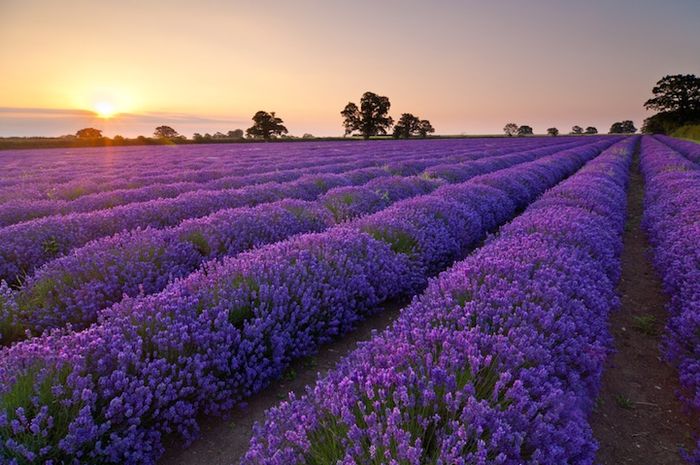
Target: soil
[{"x": 638, "y": 418}]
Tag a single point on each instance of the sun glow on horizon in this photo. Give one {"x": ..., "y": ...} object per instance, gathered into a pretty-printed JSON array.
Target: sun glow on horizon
[{"x": 105, "y": 109}]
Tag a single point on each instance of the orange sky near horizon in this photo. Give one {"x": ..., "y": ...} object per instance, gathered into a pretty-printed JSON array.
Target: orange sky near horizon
[{"x": 207, "y": 66}]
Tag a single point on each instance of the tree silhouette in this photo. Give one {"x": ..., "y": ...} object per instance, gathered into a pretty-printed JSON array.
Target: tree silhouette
[
  {"x": 591, "y": 130},
  {"x": 89, "y": 133},
  {"x": 410, "y": 125},
  {"x": 236, "y": 134},
  {"x": 576, "y": 130},
  {"x": 525, "y": 130},
  {"x": 425, "y": 128},
  {"x": 166, "y": 132},
  {"x": 623, "y": 127},
  {"x": 676, "y": 93},
  {"x": 511, "y": 129},
  {"x": 553, "y": 131},
  {"x": 406, "y": 126},
  {"x": 370, "y": 119},
  {"x": 677, "y": 100},
  {"x": 267, "y": 126}
]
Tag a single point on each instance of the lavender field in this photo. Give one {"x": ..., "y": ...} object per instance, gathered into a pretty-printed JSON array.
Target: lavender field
[{"x": 144, "y": 289}]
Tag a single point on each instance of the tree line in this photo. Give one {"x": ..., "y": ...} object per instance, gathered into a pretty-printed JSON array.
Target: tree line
[
  {"x": 676, "y": 98},
  {"x": 370, "y": 119},
  {"x": 621, "y": 127}
]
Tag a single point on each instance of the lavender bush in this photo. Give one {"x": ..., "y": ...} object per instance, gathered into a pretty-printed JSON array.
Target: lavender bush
[
  {"x": 497, "y": 362},
  {"x": 74, "y": 288},
  {"x": 689, "y": 149},
  {"x": 26, "y": 246},
  {"x": 70, "y": 174},
  {"x": 672, "y": 221},
  {"x": 109, "y": 393}
]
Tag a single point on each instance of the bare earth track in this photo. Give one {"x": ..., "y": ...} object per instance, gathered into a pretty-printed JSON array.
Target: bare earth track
[
  {"x": 638, "y": 419},
  {"x": 223, "y": 441}
]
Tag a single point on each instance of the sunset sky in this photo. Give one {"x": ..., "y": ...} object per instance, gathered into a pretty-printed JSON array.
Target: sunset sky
[{"x": 207, "y": 66}]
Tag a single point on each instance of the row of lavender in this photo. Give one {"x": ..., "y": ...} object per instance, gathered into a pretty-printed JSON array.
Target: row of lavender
[
  {"x": 74, "y": 288},
  {"x": 231, "y": 178},
  {"x": 23, "y": 210},
  {"x": 128, "y": 166},
  {"x": 689, "y": 149},
  {"x": 672, "y": 220},
  {"x": 65, "y": 164},
  {"x": 497, "y": 362},
  {"x": 108, "y": 394},
  {"x": 206, "y": 163},
  {"x": 26, "y": 246},
  {"x": 149, "y": 164}
]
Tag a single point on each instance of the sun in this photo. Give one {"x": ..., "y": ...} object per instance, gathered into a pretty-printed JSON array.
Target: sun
[{"x": 105, "y": 109}]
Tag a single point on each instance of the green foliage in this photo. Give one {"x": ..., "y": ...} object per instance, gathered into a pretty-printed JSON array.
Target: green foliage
[
  {"x": 237, "y": 315},
  {"x": 35, "y": 387},
  {"x": 552, "y": 131},
  {"x": 399, "y": 241},
  {"x": 51, "y": 246},
  {"x": 199, "y": 241},
  {"x": 423, "y": 420},
  {"x": 691, "y": 131},
  {"x": 327, "y": 442},
  {"x": 645, "y": 324},
  {"x": 290, "y": 375},
  {"x": 624, "y": 402}
]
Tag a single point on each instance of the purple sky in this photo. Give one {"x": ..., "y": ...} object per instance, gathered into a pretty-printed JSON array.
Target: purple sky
[{"x": 207, "y": 66}]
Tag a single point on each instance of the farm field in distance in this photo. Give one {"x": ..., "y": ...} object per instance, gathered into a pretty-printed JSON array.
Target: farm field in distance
[{"x": 495, "y": 300}]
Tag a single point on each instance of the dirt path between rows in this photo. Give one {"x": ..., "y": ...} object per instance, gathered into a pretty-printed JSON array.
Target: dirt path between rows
[
  {"x": 224, "y": 440},
  {"x": 638, "y": 419}
]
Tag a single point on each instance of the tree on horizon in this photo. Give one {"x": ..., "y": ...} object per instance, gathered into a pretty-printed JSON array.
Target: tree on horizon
[
  {"x": 425, "y": 128},
  {"x": 623, "y": 127},
  {"x": 409, "y": 125},
  {"x": 236, "y": 134},
  {"x": 510, "y": 129},
  {"x": 370, "y": 119},
  {"x": 591, "y": 130},
  {"x": 677, "y": 100},
  {"x": 525, "y": 130},
  {"x": 266, "y": 126},
  {"x": 552, "y": 131},
  {"x": 89, "y": 134},
  {"x": 576, "y": 129},
  {"x": 166, "y": 132}
]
